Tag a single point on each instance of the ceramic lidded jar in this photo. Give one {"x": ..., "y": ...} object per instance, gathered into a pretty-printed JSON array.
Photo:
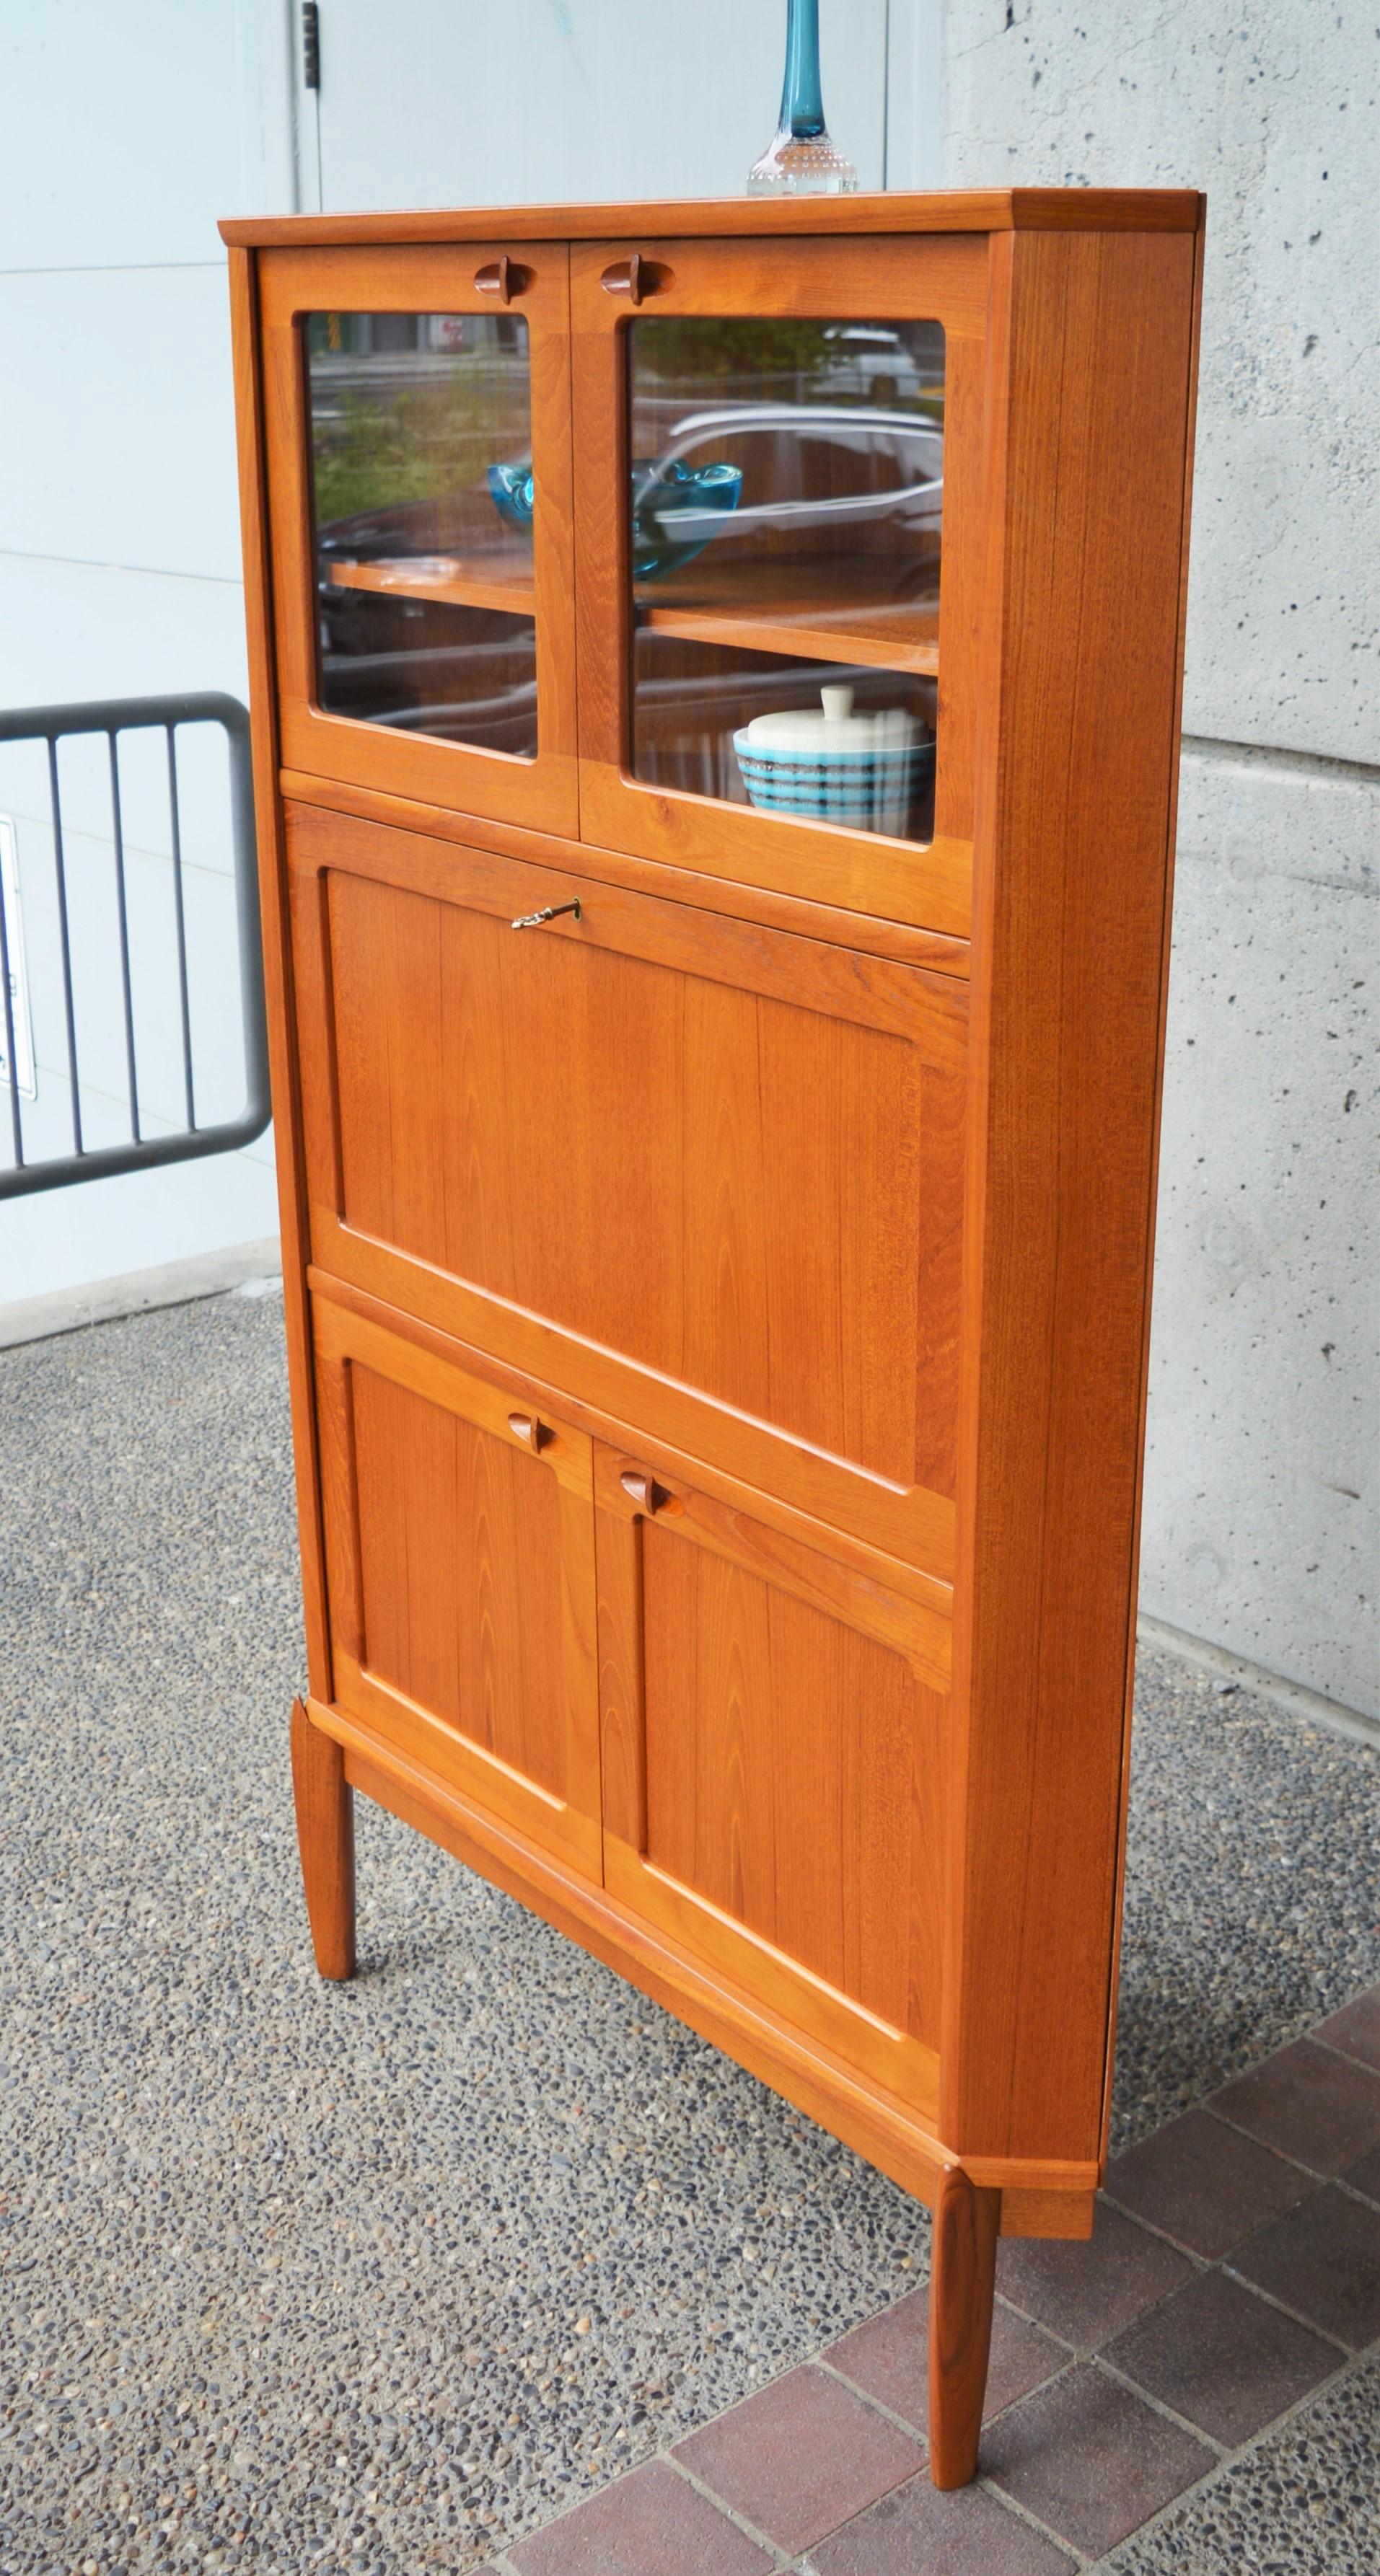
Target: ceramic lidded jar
[{"x": 835, "y": 766}]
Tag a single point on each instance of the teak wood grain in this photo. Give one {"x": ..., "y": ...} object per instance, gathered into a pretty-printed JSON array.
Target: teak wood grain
[
  {"x": 774, "y": 1766},
  {"x": 1170, "y": 831},
  {"x": 718, "y": 1321},
  {"x": 827, "y": 613},
  {"x": 460, "y": 1561},
  {"x": 950, "y": 210},
  {"x": 905, "y": 942},
  {"x": 469, "y": 581},
  {"x": 709, "y": 1175},
  {"x": 962, "y": 2284},
  {"x": 325, "y": 1811},
  {"x": 763, "y": 1508},
  {"x": 1076, "y": 767}
]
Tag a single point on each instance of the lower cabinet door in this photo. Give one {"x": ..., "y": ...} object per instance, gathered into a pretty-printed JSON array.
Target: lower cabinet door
[
  {"x": 460, "y": 1567},
  {"x": 773, "y": 1730}
]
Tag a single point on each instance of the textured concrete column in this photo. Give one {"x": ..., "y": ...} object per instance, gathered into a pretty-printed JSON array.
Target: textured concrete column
[{"x": 1260, "y": 1529}]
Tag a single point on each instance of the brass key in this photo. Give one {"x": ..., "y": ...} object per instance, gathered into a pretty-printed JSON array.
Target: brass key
[{"x": 549, "y": 912}]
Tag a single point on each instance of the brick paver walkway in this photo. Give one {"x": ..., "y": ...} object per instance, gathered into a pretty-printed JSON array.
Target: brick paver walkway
[{"x": 1234, "y": 2269}]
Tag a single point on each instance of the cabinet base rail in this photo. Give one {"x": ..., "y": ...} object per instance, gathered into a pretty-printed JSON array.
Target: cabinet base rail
[{"x": 973, "y": 2201}]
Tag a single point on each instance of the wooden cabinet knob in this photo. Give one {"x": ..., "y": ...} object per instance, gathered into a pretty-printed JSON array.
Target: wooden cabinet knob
[
  {"x": 648, "y": 1495},
  {"x": 635, "y": 277},
  {"x": 525, "y": 1426},
  {"x": 503, "y": 277},
  {"x": 624, "y": 277}
]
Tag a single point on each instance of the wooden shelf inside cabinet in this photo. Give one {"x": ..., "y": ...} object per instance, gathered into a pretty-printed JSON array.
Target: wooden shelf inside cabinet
[
  {"x": 462, "y": 581},
  {"x": 821, "y": 612}
]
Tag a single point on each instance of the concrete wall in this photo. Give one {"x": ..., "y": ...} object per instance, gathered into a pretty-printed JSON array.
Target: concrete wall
[{"x": 1260, "y": 1529}]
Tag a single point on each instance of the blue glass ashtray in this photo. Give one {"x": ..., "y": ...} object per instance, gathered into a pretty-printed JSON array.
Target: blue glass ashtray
[
  {"x": 511, "y": 487},
  {"x": 674, "y": 509}
]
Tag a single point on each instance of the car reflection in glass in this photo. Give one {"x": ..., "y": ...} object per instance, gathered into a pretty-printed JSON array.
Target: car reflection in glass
[{"x": 819, "y": 480}]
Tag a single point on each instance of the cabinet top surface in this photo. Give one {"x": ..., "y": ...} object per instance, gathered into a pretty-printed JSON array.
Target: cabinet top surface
[{"x": 957, "y": 210}]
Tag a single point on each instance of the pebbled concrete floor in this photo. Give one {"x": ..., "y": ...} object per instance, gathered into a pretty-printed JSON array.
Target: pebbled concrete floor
[
  {"x": 1305, "y": 2501},
  {"x": 378, "y": 2278}
]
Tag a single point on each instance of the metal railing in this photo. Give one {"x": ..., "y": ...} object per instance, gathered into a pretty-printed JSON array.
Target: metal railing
[{"x": 114, "y": 717}]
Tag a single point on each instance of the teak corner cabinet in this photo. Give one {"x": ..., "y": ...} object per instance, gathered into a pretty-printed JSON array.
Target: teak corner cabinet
[{"x": 717, "y": 1122}]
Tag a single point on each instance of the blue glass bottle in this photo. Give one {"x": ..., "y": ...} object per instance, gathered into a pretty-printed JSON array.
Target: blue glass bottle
[{"x": 800, "y": 160}]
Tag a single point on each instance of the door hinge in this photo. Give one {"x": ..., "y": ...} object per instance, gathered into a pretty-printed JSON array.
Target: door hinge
[{"x": 311, "y": 45}]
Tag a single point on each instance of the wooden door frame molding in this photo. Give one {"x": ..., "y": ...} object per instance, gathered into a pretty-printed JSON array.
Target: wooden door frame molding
[
  {"x": 903, "y": 2064},
  {"x": 542, "y": 793},
  {"x": 284, "y": 1048},
  {"x": 941, "y": 279}
]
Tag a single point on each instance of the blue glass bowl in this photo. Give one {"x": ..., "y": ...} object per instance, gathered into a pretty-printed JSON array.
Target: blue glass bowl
[{"x": 661, "y": 495}]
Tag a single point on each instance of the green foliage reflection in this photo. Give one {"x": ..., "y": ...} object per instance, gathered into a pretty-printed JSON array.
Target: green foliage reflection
[{"x": 416, "y": 422}]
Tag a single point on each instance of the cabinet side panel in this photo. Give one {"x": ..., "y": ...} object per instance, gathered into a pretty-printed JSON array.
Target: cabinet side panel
[
  {"x": 1172, "y": 842},
  {"x": 1082, "y": 655}
]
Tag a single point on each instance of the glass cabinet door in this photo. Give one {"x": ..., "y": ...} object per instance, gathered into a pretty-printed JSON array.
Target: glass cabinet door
[
  {"x": 780, "y": 547},
  {"x": 786, "y": 517},
  {"x": 419, "y": 490}
]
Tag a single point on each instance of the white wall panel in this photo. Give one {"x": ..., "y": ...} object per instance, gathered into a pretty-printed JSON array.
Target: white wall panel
[
  {"x": 128, "y": 130},
  {"x": 117, "y": 442},
  {"x": 98, "y": 993},
  {"x": 78, "y": 630},
  {"x": 455, "y": 102},
  {"x": 914, "y": 93},
  {"x": 82, "y": 631},
  {"x": 135, "y": 1223}
]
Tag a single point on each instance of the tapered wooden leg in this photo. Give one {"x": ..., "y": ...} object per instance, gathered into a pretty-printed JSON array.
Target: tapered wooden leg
[
  {"x": 963, "y": 2275},
  {"x": 326, "y": 1841}
]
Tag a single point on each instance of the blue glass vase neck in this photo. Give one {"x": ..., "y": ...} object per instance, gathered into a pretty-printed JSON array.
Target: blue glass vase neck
[{"x": 802, "y": 103}]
